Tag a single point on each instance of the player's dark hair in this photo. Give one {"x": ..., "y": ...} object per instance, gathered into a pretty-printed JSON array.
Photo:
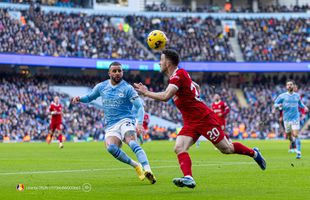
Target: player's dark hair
[
  {"x": 172, "y": 55},
  {"x": 115, "y": 64},
  {"x": 290, "y": 80}
]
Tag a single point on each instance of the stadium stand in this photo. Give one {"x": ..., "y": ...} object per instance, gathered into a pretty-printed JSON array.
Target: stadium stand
[{"x": 25, "y": 114}]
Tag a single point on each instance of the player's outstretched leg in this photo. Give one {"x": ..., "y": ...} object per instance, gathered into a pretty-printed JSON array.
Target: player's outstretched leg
[
  {"x": 227, "y": 147},
  {"x": 292, "y": 144},
  {"x": 298, "y": 148},
  {"x": 116, "y": 152},
  {"x": 142, "y": 158},
  {"x": 181, "y": 147}
]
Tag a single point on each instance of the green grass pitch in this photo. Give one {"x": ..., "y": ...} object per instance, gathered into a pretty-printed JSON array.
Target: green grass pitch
[{"x": 87, "y": 171}]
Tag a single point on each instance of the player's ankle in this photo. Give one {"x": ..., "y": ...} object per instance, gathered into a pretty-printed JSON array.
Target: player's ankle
[{"x": 189, "y": 176}]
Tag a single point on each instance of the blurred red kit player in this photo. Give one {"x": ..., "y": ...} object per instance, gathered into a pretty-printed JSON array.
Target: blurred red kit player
[
  {"x": 221, "y": 109},
  {"x": 56, "y": 121}
]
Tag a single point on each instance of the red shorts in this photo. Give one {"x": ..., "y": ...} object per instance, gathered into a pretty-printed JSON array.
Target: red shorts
[
  {"x": 54, "y": 126},
  {"x": 209, "y": 127}
]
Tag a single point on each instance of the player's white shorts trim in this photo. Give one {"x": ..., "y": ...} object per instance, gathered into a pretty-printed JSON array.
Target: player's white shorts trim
[
  {"x": 120, "y": 128},
  {"x": 291, "y": 125}
]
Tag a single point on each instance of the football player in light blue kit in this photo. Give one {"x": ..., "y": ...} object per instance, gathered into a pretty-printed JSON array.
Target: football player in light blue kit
[
  {"x": 118, "y": 98},
  {"x": 289, "y": 103}
]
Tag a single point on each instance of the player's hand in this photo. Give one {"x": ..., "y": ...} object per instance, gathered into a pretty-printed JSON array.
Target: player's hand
[
  {"x": 75, "y": 100},
  {"x": 140, "y": 129},
  {"x": 142, "y": 89},
  {"x": 220, "y": 114},
  {"x": 306, "y": 109}
]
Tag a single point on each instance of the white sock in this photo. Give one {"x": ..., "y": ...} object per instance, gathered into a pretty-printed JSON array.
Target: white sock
[
  {"x": 255, "y": 154},
  {"x": 188, "y": 176},
  {"x": 147, "y": 168}
]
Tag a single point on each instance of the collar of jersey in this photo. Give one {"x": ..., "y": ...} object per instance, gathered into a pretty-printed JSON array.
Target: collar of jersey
[
  {"x": 175, "y": 71},
  {"x": 115, "y": 86},
  {"x": 290, "y": 94}
]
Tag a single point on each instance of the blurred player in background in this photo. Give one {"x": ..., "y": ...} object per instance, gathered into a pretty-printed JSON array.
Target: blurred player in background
[
  {"x": 292, "y": 147},
  {"x": 221, "y": 109},
  {"x": 118, "y": 99},
  {"x": 198, "y": 118},
  {"x": 146, "y": 121},
  {"x": 289, "y": 102},
  {"x": 56, "y": 122}
]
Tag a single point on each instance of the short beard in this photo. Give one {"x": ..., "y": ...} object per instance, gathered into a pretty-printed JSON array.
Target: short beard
[{"x": 117, "y": 81}]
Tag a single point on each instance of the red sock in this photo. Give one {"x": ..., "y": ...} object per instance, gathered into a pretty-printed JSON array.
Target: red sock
[
  {"x": 60, "y": 137},
  {"x": 241, "y": 149},
  {"x": 185, "y": 163}
]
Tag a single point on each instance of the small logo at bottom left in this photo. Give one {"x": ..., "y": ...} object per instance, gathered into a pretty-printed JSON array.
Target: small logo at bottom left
[{"x": 20, "y": 187}]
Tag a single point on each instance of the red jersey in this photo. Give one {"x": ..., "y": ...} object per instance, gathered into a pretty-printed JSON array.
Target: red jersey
[
  {"x": 56, "y": 118},
  {"x": 221, "y": 110},
  {"x": 187, "y": 98},
  {"x": 146, "y": 121}
]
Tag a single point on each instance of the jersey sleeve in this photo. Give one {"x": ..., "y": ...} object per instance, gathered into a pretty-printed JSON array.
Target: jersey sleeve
[
  {"x": 132, "y": 94},
  {"x": 51, "y": 108},
  {"x": 300, "y": 103},
  {"x": 278, "y": 101},
  {"x": 226, "y": 109},
  {"x": 94, "y": 94},
  {"x": 176, "y": 80}
]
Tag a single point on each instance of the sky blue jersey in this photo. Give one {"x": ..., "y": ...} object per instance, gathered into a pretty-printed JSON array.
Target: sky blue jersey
[
  {"x": 117, "y": 101},
  {"x": 290, "y": 104}
]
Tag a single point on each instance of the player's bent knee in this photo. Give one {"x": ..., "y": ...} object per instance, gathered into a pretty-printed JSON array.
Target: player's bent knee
[
  {"x": 179, "y": 149},
  {"x": 227, "y": 150}
]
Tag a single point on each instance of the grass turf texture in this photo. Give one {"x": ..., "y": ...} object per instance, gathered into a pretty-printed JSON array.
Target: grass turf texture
[{"x": 61, "y": 173}]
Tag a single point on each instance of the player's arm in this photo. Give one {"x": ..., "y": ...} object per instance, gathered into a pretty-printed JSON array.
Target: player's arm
[
  {"x": 160, "y": 96},
  {"x": 52, "y": 111},
  {"x": 136, "y": 101},
  {"x": 94, "y": 94},
  {"x": 302, "y": 105},
  {"x": 226, "y": 109},
  {"x": 278, "y": 102}
]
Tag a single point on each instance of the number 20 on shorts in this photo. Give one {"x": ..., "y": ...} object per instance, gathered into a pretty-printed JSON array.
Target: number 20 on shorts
[{"x": 213, "y": 134}]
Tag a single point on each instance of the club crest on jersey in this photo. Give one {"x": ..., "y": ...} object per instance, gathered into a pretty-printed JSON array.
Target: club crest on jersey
[{"x": 121, "y": 94}]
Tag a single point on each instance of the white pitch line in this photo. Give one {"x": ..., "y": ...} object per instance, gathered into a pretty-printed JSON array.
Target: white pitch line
[{"x": 115, "y": 169}]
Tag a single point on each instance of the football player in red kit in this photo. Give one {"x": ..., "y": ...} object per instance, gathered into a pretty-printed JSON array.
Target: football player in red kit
[
  {"x": 56, "y": 121},
  {"x": 221, "y": 109},
  {"x": 198, "y": 119}
]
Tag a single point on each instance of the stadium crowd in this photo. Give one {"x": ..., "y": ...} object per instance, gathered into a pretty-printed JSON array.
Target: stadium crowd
[
  {"x": 24, "y": 111},
  {"x": 197, "y": 39},
  {"x": 269, "y": 39},
  {"x": 59, "y": 3},
  {"x": 24, "y": 108},
  {"x": 60, "y": 34},
  {"x": 163, "y": 7}
]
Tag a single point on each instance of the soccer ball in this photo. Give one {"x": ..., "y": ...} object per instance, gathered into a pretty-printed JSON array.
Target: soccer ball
[{"x": 157, "y": 40}]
